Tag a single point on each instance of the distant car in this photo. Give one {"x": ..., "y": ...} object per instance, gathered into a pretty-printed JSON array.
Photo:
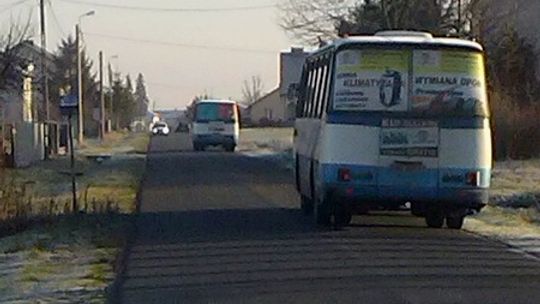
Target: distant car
[
  {"x": 160, "y": 128},
  {"x": 182, "y": 127}
]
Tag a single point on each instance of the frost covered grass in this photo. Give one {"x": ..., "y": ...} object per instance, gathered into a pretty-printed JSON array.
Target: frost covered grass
[
  {"x": 117, "y": 142},
  {"x": 514, "y": 208},
  {"x": 70, "y": 260},
  {"x": 65, "y": 257},
  {"x": 505, "y": 223},
  {"x": 265, "y": 139},
  {"x": 115, "y": 179},
  {"x": 272, "y": 143},
  {"x": 516, "y": 184}
]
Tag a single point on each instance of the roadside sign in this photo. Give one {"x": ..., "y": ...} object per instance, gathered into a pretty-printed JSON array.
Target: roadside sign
[
  {"x": 69, "y": 101},
  {"x": 69, "y": 104}
]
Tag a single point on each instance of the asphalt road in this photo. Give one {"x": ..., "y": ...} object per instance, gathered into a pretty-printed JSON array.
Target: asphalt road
[{"x": 217, "y": 227}]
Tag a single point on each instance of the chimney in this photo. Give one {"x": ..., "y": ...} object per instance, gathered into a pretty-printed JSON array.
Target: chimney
[{"x": 297, "y": 50}]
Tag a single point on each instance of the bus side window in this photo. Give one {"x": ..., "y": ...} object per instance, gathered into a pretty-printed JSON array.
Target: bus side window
[
  {"x": 326, "y": 86},
  {"x": 330, "y": 70},
  {"x": 301, "y": 101},
  {"x": 322, "y": 89},
  {"x": 309, "y": 91},
  {"x": 316, "y": 91}
]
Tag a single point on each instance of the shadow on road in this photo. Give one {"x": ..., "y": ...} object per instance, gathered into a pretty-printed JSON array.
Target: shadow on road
[
  {"x": 211, "y": 225},
  {"x": 268, "y": 255}
]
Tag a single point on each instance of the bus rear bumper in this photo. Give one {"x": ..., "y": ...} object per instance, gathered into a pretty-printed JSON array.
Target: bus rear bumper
[{"x": 378, "y": 196}]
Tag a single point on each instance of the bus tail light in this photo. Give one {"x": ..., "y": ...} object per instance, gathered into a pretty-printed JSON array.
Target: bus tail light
[
  {"x": 473, "y": 178},
  {"x": 344, "y": 175}
]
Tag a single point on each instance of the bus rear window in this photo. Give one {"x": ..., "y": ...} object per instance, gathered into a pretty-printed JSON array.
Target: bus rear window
[
  {"x": 215, "y": 112},
  {"x": 428, "y": 82}
]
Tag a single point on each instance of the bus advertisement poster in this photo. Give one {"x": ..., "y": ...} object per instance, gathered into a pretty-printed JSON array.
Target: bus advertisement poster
[
  {"x": 449, "y": 82},
  {"x": 372, "y": 80}
]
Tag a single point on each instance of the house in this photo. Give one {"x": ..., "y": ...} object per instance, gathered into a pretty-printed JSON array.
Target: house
[
  {"x": 278, "y": 106},
  {"x": 268, "y": 109},
  {"x": 22, "y": 137}
]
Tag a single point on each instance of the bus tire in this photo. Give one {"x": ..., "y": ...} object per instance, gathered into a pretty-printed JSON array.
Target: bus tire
[
  {"x": 306, "y": 205},
  {"x": 434, "y": 218},
  {"x": 342, "y": 216},
  {"x": 297, "y": 174},
  {"x": 323, "y": 212},
  {"x": 230, "y": 147},
  {"x": 455, "y": 222},
  {"x": 323, "y": 216},
  {"x": 417, "y": 210}
]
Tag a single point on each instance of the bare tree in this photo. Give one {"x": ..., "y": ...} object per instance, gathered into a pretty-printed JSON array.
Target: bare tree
[
  {"x": 252, "y": 89},
  {"x": 10, "y": 62},
  {"x": 310, "y": 21}
]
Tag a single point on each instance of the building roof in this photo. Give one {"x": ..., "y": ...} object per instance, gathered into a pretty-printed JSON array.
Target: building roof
[{"x": 264, "y": 96}]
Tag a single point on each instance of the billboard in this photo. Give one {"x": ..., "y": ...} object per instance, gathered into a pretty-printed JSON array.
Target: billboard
[{"x": 372, "y": 80}]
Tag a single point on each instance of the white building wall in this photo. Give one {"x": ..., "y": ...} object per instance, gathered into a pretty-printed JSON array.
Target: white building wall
[{"x": 269, "y": 108}]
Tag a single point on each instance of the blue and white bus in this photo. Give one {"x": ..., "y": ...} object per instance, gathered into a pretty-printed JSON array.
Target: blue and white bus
[{"x": 395, "y": 118}]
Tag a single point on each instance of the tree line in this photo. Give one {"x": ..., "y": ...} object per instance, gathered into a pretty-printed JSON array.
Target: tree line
[
  {"x": 512, "y": 58},
  {"x": 123, "y": 102}
]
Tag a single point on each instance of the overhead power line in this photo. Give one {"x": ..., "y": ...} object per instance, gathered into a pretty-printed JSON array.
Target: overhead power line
[
  {"x": 172, "y": 10},
  {"x": 57, "y": 23},
  {"x": 8, "y": 6},
  {"x": 184, "y": 45}
]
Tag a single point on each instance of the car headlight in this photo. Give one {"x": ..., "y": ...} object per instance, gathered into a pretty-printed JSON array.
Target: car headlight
[
  {"x": 166, "y": 130},
  {"x": 154, "y": 131}
]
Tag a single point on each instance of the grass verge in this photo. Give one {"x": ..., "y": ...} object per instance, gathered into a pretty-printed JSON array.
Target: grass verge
[{"x": 66, "y": 257}]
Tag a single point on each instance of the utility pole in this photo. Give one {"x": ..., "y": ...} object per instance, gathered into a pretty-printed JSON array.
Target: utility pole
[
  {"x": 111, "y": 103},
  {"x": 101, "y": 98},
  {"x": 459, "y": 19},
  {"x": 45, "y": 78},
  {"x": 80, "y": 134}
]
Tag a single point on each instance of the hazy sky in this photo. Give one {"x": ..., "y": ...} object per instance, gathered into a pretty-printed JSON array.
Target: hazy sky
[{"x": 173, "y": 74}]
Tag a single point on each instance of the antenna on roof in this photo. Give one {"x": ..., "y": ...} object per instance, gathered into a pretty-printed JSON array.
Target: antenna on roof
[{"x": 322, "y": 43}]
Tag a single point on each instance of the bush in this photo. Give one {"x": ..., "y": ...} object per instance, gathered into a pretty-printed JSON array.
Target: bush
[
  {"x": 516, "y": 129},
  {"x": 514, "y": 95}
]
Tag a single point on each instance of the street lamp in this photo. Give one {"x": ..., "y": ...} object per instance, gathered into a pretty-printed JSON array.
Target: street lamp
[{"x": 80, "y": 134}]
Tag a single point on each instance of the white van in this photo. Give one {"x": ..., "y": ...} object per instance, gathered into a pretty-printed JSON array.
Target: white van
[{"x": 215, "y": 123}]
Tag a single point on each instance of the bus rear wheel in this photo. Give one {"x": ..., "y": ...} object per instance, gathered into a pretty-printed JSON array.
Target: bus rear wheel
[
  {"x": 342, "y": 216},
  {"x": 434, "y": 218},
  {"x": 198, "y": 147},
  {"x": 230, "y": 147},
  {"x": 455, "y": 222},
  {"x": 306, "y": 204},
  {"x": 323, "y": 213}
]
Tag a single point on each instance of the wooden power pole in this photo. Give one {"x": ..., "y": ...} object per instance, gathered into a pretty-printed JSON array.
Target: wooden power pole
[
  {"x": 101, "y": 98},
  {"x": 44, "y": 80}
]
